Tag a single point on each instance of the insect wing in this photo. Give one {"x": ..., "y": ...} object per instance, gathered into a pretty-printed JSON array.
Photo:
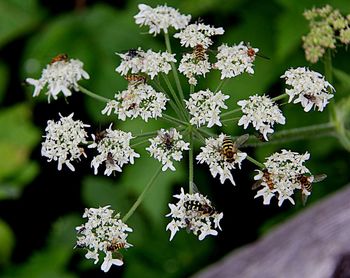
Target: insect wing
[
  {"x": 304, "y": 198},
  {"x": 241, "y": 140},
  {"x": 257, "y": 184},
  {"x": 320, "y": 177}
]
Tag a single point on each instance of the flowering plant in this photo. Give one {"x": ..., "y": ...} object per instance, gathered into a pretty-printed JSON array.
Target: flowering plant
[{"x": 189, "y": 113}]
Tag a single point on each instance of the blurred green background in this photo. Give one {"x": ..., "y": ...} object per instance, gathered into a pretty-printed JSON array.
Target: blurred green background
[{"x": 39, "y": 206}]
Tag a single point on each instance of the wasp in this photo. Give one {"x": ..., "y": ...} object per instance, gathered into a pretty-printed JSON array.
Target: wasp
[
  {"x": 229, "y": 147},
  {"x": 199, "y": 52},
  {"x": 266, "y": 178},
  {"x": 59, "y": 57},
  {"x": 306, "y": 184},
  {"x": 114, "y": 245},
  {"x": 135, "y": 79},
  {"x": 167, "y": 138},
  {"x": 200, "y": 207}
]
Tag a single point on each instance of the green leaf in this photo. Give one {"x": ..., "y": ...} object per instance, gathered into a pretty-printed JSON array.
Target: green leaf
[{"x": 7, "y": 242}]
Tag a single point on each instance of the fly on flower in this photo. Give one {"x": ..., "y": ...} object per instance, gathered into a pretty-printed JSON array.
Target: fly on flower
[
  {"x": 229, "y": 147},
  {"x": 168, "y": 138},
  {"x": 306, "y": 184},
  {"x": 60, "y": 57}
]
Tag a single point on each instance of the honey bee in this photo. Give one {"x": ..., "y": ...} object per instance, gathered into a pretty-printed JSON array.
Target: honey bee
[
  {"x": 167, "y": 138},
  {"x": 135, "y": 79},
  {"x": 200, "y": 207},
  {"x": 266, "y": 178},
  {"x": 59, "y": 57},
  {"x": 230, "y": 148},
  {"x": 114, "y": 245},
  {"x": 306, "y": 184},
  {"x": 199, "y": 52}
]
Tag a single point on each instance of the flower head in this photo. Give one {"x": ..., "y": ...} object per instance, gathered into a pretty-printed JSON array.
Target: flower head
[
  {"x": 204, "y": 107},
  {"x": 234, "y": 60},
  {"x": 191, "y": 66},
  {"x": 64, "y": 140},
  {"x": 161, "y": 18},
  {"x": 308, "y": 87},
  {"x": 166, "y": 147},
  {"x": 103, "y": 232},
  {"x": 262, "y": 113},
  {"x": 59, "y": 76},
  {"x": 281, "y": 176},
  {"x": 137, "y": 101},
  {"x": 195, "y": 213},
  {"x": 198, "y": 34},
  {"x": 220, "y": 160},
  {"x": 149, "y": 62},
  {"x": 114, "y": 151}
]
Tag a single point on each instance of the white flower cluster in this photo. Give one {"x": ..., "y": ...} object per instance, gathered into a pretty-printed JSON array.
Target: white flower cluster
[
  {"x": 137, "y": 101},
  {"x": 213, "y": 154},
  {"x": 204, "y": 107},
  {"x": 60, "y": 76},
  {"x": 64, "y": 140},
  {"x": 262, "y": 113},
  {"x": 190, "y": 66},
  {"x": 161, "y": 18},
  {"x": 198, "y": 34},
  {"x": 114, "y": 150},
  {"x": 195, "y": 213},
  {"x": 103, "y": 232},
  {"x": 281, "y": 176},
  {"x": 308, "y": 87},
  {"x": 234, "y": 60},
  {"x": 167, "y": 146},
  {"x": 149, "y": 62}
]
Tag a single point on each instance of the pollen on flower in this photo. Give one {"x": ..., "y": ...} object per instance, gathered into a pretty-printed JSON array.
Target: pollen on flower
[
  {"x": 262, "y": 113},
  {"x": 308, "y": 87},
  {"x": 204, "y": 107},
  {"x": 213, "y": 154},
  {"x": 281, "y": 176},
  {"x": 137, "y": 101},
  {"x": 64, "y": 141},
  {"x": 195, "y": 213},
  {"x": 104, "y": 232},
  {"x": 235, "y": 60},
  {"x": 114, "y": 151},
  {"x": 60, "y": 76},
  {"x": 198, "y": 34},
  {"x": 166, "y": 147},
  {"x": 161, "y": 18}
]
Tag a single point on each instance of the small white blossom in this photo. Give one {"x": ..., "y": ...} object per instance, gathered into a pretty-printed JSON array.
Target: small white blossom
[
  {"x": 64, "y": 140},
  {"x": 60, "y": 76},
  {"x": 262, "y": 113},
  {"x": 103, "y": 232},
  {"x": 195, "y": 213},
  {"x": 213, "y": 155},
  {"x": 149, "y": 62},
  {"x": 137, "y": 101},
  {"x": 235, "y": 60},
  {"x": 191, "y": 66},
  {"x": 114, "y": 151},
  {"x": 198, "y": 34},
  {"x": 204, "y": 107},
  {"x": 161, "y": 18},
  {"x": 308, "y": 87},
  {"x": 166, "y": 147},
  {"x": 281, "y": 176}
]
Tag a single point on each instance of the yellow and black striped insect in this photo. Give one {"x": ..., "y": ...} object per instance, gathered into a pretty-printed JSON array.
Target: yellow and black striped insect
[
  {"x": 114, "y": 245},
  {"x": 230, "y": 148},
  {"x": 59, "y": 57},
  {"x": 265, "y": 178},
  {"x": 200, "y": 207},
  {"x": 199, "y": 52},
  {"x": 135, "y": 79},
  {"x": 306, "y": 184}
]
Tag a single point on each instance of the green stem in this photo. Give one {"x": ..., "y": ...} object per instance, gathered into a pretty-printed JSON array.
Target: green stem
[
  {"x": 230, "y": 119},
  {"x": 231, "y": 112},
  {"x": 142, "y": 195},
  {"x": 319, "y": 130},
  {"x": 190, "y": 162},
  {"x": 222, "y": 82},
  {"x": 328, "y": 72},
  {"x": 206, "y": 132},
  {"x": 191, "y": 89},
  {"x": 173, "y": 67},
  {"x": 199, "y": 135},
  {"x": 280, "y": 97},
  {"x": 93, "y": 95},
  {"x": 173, "y": 120},
  {"x": 139, "y": 143},
  {"x": 257, "y": 163},
  {"x": 145, "y": 134}
]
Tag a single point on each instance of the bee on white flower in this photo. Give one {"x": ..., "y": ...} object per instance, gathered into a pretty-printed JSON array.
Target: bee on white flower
[
  {"x": 61, "y": 75},
  {"x": 104, "y": 232},
  {"x": 308, "y": 87}
]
